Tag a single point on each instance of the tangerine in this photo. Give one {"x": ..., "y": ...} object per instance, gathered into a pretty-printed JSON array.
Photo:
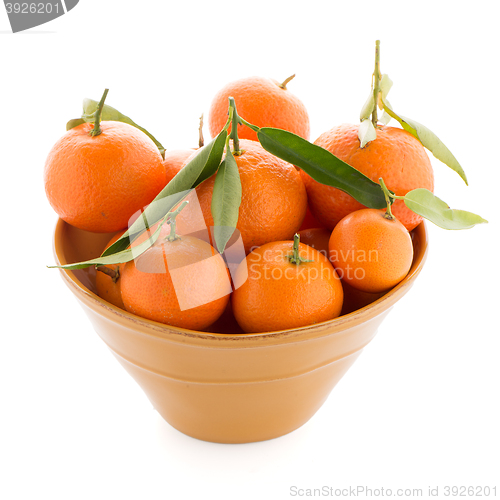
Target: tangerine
[
  {"x": 371, "y": 252},
  {"x": 263, "y": 102},
  {"x": 289, "y": 285},
  {"x": 97, "y": 182},
  {"x": 182, "y": 283}
]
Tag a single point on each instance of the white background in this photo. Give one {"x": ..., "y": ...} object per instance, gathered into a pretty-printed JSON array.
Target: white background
[{"x": 419, "y": 408}]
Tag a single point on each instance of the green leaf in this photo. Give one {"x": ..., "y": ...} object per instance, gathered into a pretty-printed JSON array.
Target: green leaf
[
  {"x": 385, "y": 86},
  {"x": 423, "y": 202},
  {"x": 366, "y": 132},
  {"x": 367, "y": 108},
  {"x": 226, "y": 200},
  {"x": 213, "y": 159},
  {"x": 112, "y": 114},
  {"x": 201, "y": 166},
  {"x": 428, "y": 139},
  {"x": 74, "y": 123},
  {"x": 321, "y": 165},
  {"x": 116, "y": 258},
  {"x": 386, "y": 117}
]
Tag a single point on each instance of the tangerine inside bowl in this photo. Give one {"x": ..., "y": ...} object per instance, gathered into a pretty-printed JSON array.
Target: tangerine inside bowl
[{"x": 228, "y": 388}]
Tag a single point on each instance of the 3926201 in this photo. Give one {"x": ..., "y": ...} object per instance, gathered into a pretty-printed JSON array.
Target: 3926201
[
  {"x": 470, "y": 491},
  {"x": 32, "y": 8}
]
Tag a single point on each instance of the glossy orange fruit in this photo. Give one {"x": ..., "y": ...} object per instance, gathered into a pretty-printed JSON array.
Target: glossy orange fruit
[
  {"x": 97, "y": 183},
  {"x": 318, "y": 238},
  {"x": 273, "y": 200},
  {"x": 371, "y": 252},
  {"x": 182, "y": 283},
  {"x": 279, "y": 294},
  {"x": 395, "y": 155},
  {"x": 263, "y": 102}
]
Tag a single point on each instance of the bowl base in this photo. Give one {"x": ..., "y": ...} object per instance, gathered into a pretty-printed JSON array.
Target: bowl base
[{"x": 239, "y": 412}]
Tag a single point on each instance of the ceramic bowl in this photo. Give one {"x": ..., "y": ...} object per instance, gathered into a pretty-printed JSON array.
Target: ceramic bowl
[{"x": 228, "y": 388}]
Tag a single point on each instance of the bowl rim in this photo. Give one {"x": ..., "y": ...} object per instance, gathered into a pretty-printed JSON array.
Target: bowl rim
[{"x": 172, "y": 333}]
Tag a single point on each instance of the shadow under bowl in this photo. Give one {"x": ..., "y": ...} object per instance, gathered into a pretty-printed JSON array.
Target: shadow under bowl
[{"x": 228, "y": 388}]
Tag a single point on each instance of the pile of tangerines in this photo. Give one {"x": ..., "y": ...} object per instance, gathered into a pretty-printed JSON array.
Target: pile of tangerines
[{"x": 311, "y": 251}]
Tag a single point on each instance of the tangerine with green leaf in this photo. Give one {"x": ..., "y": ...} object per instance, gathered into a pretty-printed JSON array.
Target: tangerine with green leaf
[
  {"x": 98, "y": 175},
  {"x": 395, "y": 155},
  {"x": 378, "y": 150}
]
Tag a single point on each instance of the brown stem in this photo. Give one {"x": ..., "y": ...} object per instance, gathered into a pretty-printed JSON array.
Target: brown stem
[
  {"x": 114, "y": 274},
  {"x": 201, "y": 140},
  {"x": 285, "y": 83}
]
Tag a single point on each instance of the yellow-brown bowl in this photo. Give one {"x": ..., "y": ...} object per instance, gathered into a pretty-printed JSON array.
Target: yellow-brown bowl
[{"x": 228, "y": 388}]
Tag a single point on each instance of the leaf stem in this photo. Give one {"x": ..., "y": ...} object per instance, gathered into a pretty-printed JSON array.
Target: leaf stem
[
  {"x": 234, "y": 128},
  {"x": 285, "y": 83},
  {"x": 376, "y": 83},
  {"x": 171, "y": 219},
  {"x": 249, "y": 125},
  {"x": 295, "y": 257},
  {"x": 229, "y": 118},
  {"x": 97, "y": 121}
]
